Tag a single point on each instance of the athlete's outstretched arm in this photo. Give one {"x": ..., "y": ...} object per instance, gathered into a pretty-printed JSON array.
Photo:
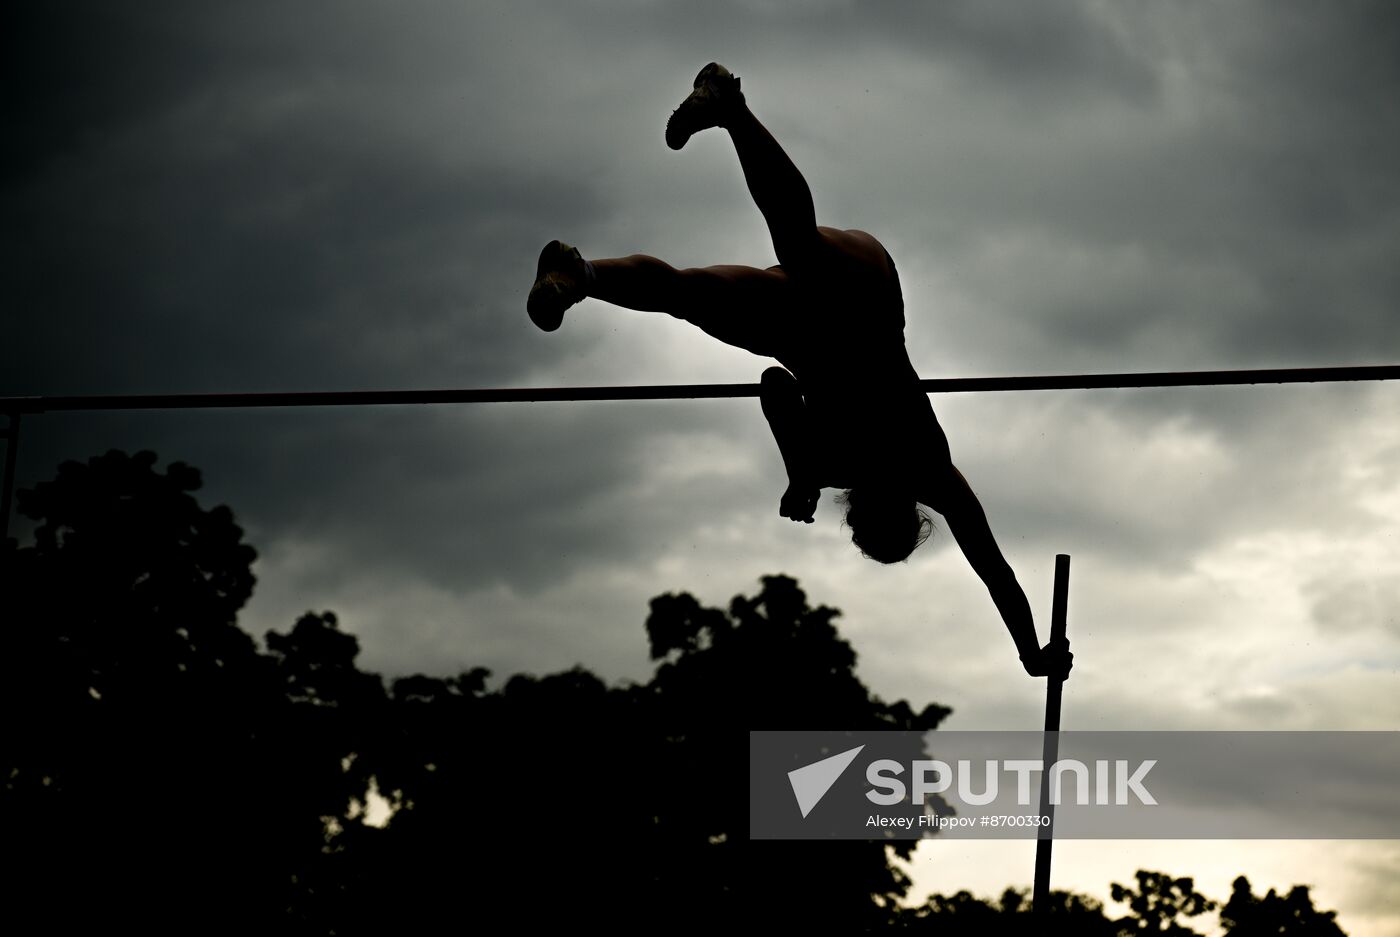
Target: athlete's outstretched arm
[{"x": 968, "y": 524}]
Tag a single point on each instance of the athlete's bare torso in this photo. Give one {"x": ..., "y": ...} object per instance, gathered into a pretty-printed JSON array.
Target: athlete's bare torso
[{"x": 848, "y": 353}]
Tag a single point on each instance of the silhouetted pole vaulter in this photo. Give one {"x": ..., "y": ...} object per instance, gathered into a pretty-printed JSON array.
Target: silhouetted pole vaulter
[
  {"x": 846, "y": 407},
  {"x": 1040, "y": 899}
]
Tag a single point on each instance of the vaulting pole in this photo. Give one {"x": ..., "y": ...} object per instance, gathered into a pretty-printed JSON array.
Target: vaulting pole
[{"x": 1040, "y": 901}]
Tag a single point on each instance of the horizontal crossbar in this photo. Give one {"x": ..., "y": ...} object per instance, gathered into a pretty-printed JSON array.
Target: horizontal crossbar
[{"x": 952, "y": 385}]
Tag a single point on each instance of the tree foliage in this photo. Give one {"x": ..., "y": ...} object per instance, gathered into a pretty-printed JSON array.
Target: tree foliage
[
  {"x": 1159, "y": 900},
  {"x": 1154, "y": 905},
  {"x": 1246, "y": 915},
  {"x": 163, "y": 771}
]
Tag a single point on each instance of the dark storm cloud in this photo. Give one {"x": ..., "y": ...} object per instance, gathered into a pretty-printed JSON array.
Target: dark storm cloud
[
  {"x": 79, "y": 72},
  {"x": 345, "y": 273},
  {"x": 255, "y": 182},
  {"x": 496, "y": 496},
  {"x": 336, "y": 196},
  {"x": 522, "y": 495},
  {"x": 1152, "y": 478},
  {"x": 1242, "y": 208},
  {"x": 213, "y": 202},
  {"x": 199, "y": 199},
  {"x": 1032, "y": 50}
]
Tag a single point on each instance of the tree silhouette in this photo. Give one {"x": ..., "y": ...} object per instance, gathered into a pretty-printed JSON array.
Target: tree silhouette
[
  {"x": 1245, "y": 915},
  {"x": 964, "y": 915},
  {"x": 1159, "y": 900},
  {"x": 626, "y": 805},
  {"x": 160, "y": 771},
  {"x": 771, "y": 662},
  {"x": 1154, "y": 906}
]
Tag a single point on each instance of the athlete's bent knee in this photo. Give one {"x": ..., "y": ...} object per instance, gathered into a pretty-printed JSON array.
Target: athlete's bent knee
[{"x": 776, "y": 379}]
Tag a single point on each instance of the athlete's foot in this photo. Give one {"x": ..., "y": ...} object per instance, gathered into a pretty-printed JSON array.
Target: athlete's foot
[
  {"x": 560, "y": 280},
  {"x": 715, "y": 97}
]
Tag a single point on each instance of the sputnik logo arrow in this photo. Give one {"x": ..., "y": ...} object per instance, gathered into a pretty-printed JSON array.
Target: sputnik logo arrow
[{"x": 811, "y": 782}]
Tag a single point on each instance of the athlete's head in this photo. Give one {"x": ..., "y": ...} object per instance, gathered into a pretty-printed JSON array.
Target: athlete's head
[{"x": 885, "y": 525}]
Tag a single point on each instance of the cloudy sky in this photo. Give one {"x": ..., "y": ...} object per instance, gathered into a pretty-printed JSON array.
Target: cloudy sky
[{"x": 342, "y": 196}]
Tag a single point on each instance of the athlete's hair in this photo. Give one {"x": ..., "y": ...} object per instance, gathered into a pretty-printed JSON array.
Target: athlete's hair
[{"x": 885, "y": 526}]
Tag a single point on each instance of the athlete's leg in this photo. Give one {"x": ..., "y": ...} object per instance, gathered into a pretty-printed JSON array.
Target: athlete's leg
[
  {"x": 852, "y": 261},
  {"x": 741, "y": 306},
  {"x": 778, "y": 189},
  {"x": 787, "y": 415}
]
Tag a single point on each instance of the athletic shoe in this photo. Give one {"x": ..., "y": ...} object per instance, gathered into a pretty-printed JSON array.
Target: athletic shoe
[
  {"x": 559, "y": 283},
  {"x": 715, "y": 96}
]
